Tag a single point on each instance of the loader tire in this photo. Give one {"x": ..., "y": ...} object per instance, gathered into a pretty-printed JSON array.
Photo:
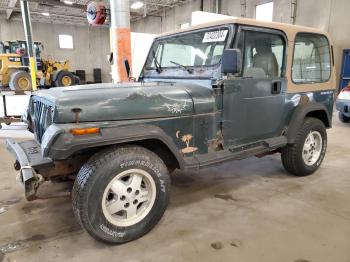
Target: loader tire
[
  {"x": 64, "y": 78},
  {"x": 20, "y": 81}
]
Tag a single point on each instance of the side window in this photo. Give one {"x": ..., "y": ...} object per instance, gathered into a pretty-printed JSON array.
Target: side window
[
  {"x": 263, "y": 54},
  {"x": 312, "y": 60}
]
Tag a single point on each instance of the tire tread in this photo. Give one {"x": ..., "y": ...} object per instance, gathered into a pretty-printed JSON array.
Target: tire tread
[
  {"x": 84, "y": 180},
  {"x": 290, "y": 157}
]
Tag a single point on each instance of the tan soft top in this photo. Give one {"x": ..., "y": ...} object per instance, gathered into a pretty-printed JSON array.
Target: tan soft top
[{"x": 289, "y": 29}]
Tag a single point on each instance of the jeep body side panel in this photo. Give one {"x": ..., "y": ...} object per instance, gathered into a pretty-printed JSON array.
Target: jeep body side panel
[
  {"x": 316, "y": 104},
  {"x": 314, "y": 99},
  {"x": 111, "y": 133},
  {"x": 178, "y": 134},
  {"x": 251, "y": 112},
  {"x": 252, "y": 109}
]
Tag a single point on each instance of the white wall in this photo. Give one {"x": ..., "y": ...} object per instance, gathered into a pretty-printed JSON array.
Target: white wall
[
  {"x": 91, "y": 44},
  {"x": 140, "y": 45}
]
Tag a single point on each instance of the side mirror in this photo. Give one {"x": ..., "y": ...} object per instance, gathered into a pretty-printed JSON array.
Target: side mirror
[
  {"x": 110, "y": 58},
  {"x": 231, "y": 61}
]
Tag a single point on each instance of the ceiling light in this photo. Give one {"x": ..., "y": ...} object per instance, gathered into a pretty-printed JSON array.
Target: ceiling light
[
  {"x": 68, "y": 2},
  {"x": 136, "y": 5},
  {"x": 45, "y": 14}
]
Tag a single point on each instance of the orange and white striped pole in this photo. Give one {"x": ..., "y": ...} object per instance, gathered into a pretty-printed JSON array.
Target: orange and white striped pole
[{"x": 120, "y": 38}]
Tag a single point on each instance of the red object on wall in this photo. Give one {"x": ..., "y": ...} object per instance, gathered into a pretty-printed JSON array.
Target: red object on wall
[{"x": 96, "y": 13}]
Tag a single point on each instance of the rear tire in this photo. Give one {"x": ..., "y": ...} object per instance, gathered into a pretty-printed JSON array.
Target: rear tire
[
  {"x": 343, "y": 118},
  {"x": 307, "y": 153},
  {"x": 20, "y": 81},
  {"x": 64, "y": 78},
  {"x": 121, "y": 193}
]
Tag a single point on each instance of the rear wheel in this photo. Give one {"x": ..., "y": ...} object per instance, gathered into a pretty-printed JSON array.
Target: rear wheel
[
  {"x": 20, "y": 81},
  {"x": 307, "y": 153},
  {"x": 121, "y": 193},
  {"x": 64, "y": 78},
  {"x": 343, "y": 118}
]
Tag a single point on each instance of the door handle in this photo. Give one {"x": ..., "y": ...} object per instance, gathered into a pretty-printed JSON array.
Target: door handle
[{"x": 276, "y": 87}]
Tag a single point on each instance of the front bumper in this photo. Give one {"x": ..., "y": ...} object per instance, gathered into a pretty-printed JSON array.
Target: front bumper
[
  {"x": 28, "y": 159},
  {"x": 343, "y": 106}
]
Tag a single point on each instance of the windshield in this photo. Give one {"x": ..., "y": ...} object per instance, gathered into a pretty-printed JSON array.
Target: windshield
[
  {"x": 14, "y": 46},
  {"x": 192, "y": 49}
]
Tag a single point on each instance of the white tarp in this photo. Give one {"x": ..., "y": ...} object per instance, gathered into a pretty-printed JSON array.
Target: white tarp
[
  {"x": 199, "y": 17},
  {"x": 140, "y": 45}
]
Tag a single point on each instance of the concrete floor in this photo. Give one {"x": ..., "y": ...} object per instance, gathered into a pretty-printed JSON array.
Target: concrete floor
[{"x": 248, "y": 210}]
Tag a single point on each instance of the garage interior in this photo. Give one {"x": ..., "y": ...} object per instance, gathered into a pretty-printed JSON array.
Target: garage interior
[{"x": 249, "y": 210}]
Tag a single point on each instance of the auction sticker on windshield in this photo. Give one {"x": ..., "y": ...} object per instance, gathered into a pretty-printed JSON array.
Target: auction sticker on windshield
[{"x": 215, "y": 36}]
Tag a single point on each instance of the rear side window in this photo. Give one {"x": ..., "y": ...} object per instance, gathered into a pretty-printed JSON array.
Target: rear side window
[{"x": 312, "y": 59}]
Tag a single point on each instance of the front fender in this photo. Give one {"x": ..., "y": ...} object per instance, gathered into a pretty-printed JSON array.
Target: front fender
[
  {"x": 65, "y": 144},
  {"x": 312, "y": 109}
]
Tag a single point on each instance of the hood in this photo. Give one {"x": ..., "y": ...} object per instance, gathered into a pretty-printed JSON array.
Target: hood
[{"x": 109, "y": 102}]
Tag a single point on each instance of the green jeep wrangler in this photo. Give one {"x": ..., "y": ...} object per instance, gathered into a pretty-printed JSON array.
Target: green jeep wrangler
[{"x": 212, "y": 93}]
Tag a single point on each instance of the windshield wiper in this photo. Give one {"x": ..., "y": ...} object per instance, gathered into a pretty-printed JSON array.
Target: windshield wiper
[
  {"x": 189, "y": 70},
  {"x": 156, "y": 63}
]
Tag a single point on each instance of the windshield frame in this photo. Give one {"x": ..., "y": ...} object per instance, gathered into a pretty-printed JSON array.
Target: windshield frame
[{"x": 147, "y": 72}]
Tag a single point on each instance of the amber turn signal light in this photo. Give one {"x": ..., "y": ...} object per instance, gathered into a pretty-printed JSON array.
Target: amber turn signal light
[{"x": 85, "y": 131}]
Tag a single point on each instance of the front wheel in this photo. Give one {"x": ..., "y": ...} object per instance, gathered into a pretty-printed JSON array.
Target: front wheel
[
  {"x": 307, "y": 153},
  {"x": 121, "y": 193}
]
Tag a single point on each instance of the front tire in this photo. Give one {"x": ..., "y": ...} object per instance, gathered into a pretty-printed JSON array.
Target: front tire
[
  {"x": 121, "y": 193},
  {"x": 307, "y": 153}
]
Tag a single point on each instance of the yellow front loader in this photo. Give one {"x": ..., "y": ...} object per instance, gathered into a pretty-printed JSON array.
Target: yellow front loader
[
  {"x": 13, "y": 73},
  {"x": 57, "y": 73},
  {"x": 14, "y": 68}
]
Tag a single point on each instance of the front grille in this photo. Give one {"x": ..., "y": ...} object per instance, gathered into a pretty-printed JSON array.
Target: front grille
[{"x": 42, "y": 117}]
